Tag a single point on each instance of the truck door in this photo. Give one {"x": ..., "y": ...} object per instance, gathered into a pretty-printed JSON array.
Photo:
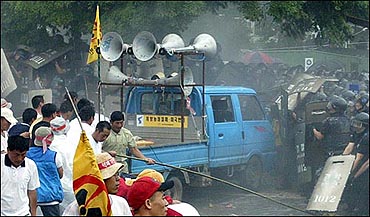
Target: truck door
[
  {"x": 227, "y": 131},
  {"x": 257, "y": 134}
]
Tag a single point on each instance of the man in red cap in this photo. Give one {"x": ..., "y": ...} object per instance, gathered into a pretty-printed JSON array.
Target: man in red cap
[
  {"x": 174, "y": 208},
  {"x": 146, "y": 197}
]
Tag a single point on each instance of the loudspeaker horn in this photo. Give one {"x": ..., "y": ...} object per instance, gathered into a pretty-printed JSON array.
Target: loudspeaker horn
[
  {"x": 158, "y": 75},
  {"x": 203, "y": 44},
  {"x": 112, "y": 46},
  {"x": 175, "y": 79},
  {"x": 114, "y": 75},
  {"x": 170, "y": 42},
  {"x": 144, "y": 46}
]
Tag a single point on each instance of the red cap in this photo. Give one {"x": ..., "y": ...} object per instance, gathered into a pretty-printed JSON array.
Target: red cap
[
  {"x": 122, "y": 188},
  {"x": 143, "y": 188}
]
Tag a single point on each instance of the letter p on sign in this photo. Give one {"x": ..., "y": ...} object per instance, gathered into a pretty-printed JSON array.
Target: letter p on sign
[{"x": 308, "y": 62}]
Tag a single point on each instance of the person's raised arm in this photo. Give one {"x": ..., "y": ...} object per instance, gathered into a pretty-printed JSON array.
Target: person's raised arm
[{"x": 349, "y": 148}]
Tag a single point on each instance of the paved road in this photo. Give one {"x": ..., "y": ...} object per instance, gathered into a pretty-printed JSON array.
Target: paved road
[{"x": 225, "y": 200}]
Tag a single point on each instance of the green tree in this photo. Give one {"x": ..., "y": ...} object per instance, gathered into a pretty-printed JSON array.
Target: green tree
[
  {"x": 330, "y": 19},
  {"x": 25, "y": 22}
]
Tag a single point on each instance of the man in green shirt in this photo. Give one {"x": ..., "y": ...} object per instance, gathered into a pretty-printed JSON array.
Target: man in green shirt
[{"x": 120, "y": 139}]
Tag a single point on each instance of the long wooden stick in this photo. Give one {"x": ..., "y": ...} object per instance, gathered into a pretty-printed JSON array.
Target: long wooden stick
[{"x": 74, "y": 108}]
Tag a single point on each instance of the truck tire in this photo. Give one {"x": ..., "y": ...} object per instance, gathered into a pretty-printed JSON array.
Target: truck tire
[
  {"x": 176, "y": 191},
  {"x": 252, "y": 176}
]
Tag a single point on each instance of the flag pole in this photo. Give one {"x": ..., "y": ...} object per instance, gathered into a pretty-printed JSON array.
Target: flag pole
[
  {"x": 98, "y": 52},
  {"x": 99, "y": 96},
  {"x": 74, "y": 108}
]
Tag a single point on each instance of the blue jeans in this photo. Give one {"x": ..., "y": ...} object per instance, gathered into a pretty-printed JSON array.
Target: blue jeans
[{"x": 50, "y": 210}]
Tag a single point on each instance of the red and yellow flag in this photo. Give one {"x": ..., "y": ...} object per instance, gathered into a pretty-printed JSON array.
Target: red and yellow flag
[
  {"x": 96, "y": 37},
  {"x": 88, "y": 184}
]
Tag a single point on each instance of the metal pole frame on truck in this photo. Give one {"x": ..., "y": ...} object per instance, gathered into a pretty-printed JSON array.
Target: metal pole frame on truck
[
  {"x": 144, "y": 48},
  {"x": 181, "y": 85}
]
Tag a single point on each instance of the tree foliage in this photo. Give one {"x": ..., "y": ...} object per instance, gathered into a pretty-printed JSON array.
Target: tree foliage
[
  {"x": 296, "y": 18},
  {"x": 27, "y": 22}
]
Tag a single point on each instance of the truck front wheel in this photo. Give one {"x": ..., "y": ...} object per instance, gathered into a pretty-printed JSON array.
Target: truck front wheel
[
  {"x": 252, "y": 175},
  {"x": 176, "y": 191}
]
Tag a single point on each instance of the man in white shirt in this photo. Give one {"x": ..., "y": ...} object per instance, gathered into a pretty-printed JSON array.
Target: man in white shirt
[
  {"x": 19, "y": 179},
  {"x": 109, "y": 170},
  {"x": 86, "y": 114},
  {"x": 64, "y": 148},
  {"x": 100, "y": 134}
]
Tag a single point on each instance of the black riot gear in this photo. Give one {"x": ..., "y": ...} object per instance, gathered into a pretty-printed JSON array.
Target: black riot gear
[
  {"x": 336, "y": 128},
  {"x": 338, "y": 104},
  {"x": 338, "y": 134},
  {"x": 349, "y": 95},
  {"x": 363, "y": 101},
  {"x": 319, "y": 97},
  {"x": 361, "y": 120}
]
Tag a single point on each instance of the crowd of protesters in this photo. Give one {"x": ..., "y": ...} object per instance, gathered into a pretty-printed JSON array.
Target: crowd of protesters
[{"x": 37, "y": 162}]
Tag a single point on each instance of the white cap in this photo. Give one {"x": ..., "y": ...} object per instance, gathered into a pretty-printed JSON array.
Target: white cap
[
  {"x": 5, "y": 104},
  {"x": 8, "y": 115}
]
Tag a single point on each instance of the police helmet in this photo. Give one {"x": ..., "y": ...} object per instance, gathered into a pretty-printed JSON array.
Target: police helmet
[
  {"x": 344, "y": 83},
  {"x": 337, "y": 103},
  {"x": 348, "y": 95},
  {"x": 360, "y": 120},
  {"x": 320, "y": 96},
  {"x": 22, "y": 53},
  {"x": 338, "y": 90},
  {"x": 361, "y": 93},
  {"x": 363, "y": 100}
]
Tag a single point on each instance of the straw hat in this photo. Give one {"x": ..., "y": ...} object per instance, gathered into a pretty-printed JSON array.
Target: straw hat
[
  {"x": 43, "y": 137},
  {"x": 8, "y": 115},
  {"x": 107, "y": 165},
  {"x": 147, "y": 173}
]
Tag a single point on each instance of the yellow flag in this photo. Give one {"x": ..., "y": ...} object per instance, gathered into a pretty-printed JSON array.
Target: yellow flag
[
  {"x": 96, "y": 37},
  {"x": 88, "y": 184}
]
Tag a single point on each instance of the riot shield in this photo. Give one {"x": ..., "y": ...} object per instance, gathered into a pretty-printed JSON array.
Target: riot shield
[
  {"x": 303, "y": 172},
  {"x": 331, "y": 183},
  {"x": 316, "y": 112}
]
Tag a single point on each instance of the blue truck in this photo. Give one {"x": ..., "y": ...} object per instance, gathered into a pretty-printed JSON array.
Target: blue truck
[{"x": 216, "y": 130}]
